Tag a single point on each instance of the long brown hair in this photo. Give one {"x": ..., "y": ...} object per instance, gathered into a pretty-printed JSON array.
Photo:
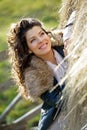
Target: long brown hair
[{"x": 17, "y": 47}]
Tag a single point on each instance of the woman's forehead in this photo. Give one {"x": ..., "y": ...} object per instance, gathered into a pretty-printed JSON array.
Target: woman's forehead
[{"x": 33, "y": 31}]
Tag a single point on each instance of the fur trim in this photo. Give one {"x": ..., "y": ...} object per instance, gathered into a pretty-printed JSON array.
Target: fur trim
[
  {"x": 38, "y": 78},
  {"x": 57, "y": 37}
]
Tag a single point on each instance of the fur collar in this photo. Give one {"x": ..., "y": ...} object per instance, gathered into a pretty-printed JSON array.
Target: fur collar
[{"x": 38, "y": 78}]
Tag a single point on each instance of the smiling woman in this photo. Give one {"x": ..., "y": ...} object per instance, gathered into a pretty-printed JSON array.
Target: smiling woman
[
  {"x": 39, "y": 42},
  {"x": 33, "y": 56}
]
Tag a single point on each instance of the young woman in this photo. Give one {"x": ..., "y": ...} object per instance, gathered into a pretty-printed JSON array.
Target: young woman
[{"x": 35, "y": 68}]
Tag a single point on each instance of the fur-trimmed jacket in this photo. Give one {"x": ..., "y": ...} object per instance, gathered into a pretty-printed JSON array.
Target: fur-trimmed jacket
[
  {"x": 38, "y": 76},
  {"x": 39, "y": 81}
]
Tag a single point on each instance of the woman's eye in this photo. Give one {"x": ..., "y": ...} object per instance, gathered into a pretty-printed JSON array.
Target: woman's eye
[
  {"x": 32, "y": 40},
  {"x": 42, "y": 33}
]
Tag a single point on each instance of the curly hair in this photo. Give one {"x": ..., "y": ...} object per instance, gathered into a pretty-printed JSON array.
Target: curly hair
[{"x": 18, "y": 50}]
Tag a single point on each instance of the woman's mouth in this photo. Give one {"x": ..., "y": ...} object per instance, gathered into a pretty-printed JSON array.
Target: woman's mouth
[{"x": 43, "y": 46}]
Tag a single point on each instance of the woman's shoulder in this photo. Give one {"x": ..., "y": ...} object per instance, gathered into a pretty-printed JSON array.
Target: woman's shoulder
[{"x": 38, "y": 78}]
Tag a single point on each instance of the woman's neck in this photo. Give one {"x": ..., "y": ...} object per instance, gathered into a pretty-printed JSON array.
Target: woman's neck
[{"x": 50, "y": 57}]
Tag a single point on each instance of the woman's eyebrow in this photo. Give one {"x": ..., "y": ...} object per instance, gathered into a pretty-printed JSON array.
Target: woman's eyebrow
[
  {"x": 40, "y": 31},
  {"x": 34, "y": 36}
]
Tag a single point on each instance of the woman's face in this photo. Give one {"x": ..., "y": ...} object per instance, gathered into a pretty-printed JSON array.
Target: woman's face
[{"x": 38, "y": 41}]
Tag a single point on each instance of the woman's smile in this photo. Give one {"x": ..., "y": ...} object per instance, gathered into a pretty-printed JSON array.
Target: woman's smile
[{"x": 43, "y": 46}]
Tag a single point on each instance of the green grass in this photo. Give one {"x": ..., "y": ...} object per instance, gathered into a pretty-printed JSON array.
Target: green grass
[
  {"x": 11, "y": 11},
  {"x": 4, "y": 71}
]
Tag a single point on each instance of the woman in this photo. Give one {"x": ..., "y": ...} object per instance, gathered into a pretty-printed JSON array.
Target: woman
[{"x": 35, "y": 68}]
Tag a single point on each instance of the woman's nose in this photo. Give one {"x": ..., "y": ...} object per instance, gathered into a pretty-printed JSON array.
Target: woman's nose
[{"x": 39, "y": 39}]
